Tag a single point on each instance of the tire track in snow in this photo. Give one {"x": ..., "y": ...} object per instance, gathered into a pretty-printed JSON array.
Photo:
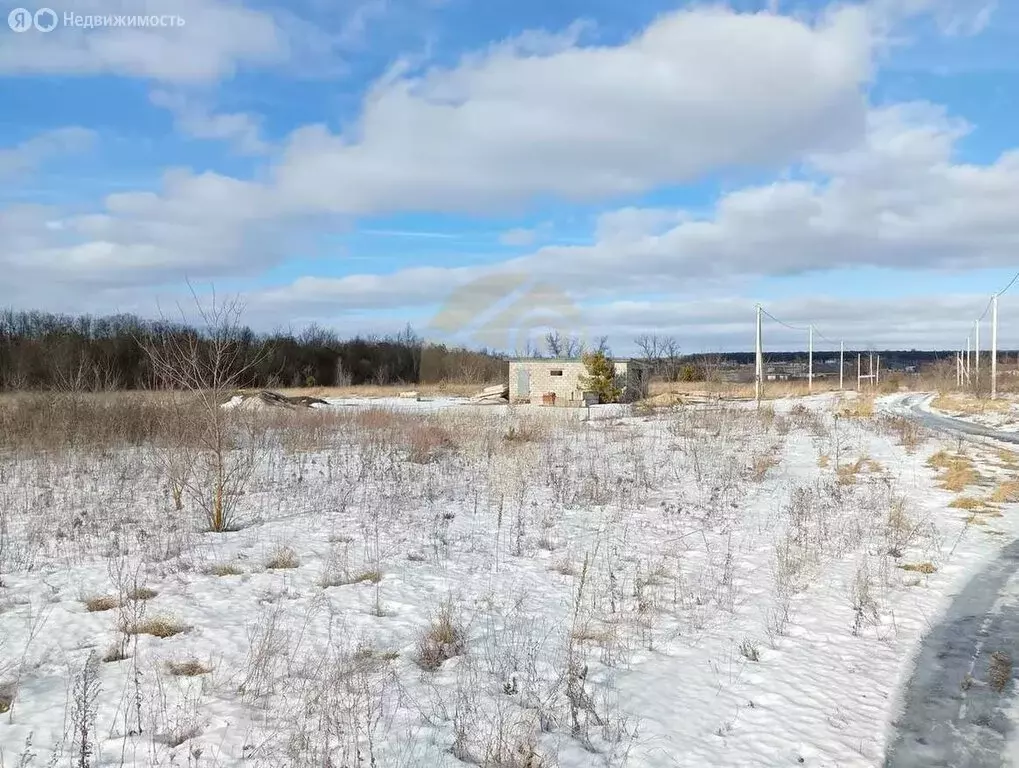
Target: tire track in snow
[{"x": 950, "y": 715}]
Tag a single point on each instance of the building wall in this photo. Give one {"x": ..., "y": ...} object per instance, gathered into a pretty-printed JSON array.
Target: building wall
[{"x": 567, "y": 387}]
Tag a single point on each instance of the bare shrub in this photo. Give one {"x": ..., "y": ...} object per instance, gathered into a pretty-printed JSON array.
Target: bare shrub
[
  {"x": 748, "y": 650},
  {"x": 444, "y": 639}
]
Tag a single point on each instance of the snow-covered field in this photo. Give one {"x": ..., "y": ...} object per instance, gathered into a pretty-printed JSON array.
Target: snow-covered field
[{"x": 415, "y": 585}]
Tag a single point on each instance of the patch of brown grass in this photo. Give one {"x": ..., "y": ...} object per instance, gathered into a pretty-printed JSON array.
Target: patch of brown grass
[
  {"x": 969, "y": 503},
  {"x": 861, "y": 407},
  {"x": 444, "y": 639},
  {"x": 762, "y": 463},
  {"x": 428, "y": 442},
  {"x": 968, "y": 405},
  {"x": 224, "y": 569},
  {"x": 1007, "y": 492},
  {"x": 141, "y": 593},
  {"x": 157, "y": 626},
  {"x": 999, "y": 672},
  {"x": 956, "y": 471},
  {"x": 98, "y": 603},
  {"x": 823, "y": 460},
  {"x": 282, "y": 558},
  {"x": 926, "y": 568},
  {"x": 189, "y": 668}
]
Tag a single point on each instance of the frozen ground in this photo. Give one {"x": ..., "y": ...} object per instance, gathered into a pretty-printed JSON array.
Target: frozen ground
[{"x": 416, "y": 585}]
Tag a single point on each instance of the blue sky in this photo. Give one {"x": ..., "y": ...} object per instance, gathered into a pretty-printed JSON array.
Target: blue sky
[{"x": 602, "y": 168}]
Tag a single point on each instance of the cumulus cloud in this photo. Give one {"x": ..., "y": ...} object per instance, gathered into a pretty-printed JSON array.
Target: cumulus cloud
[
  {"x": 36, "y": 151},
  {"x": 698, "y": 90},
  {"x": 547, "y": 117},
  {"x": 195, "y": 119}
]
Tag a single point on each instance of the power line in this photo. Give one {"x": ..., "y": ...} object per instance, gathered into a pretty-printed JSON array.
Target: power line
[
  {"x": 781, "y": 322},
  {"x": 1010, "y": 284}
]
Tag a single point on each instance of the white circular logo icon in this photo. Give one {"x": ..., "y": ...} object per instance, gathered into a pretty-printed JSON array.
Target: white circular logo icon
[
  {"x": 45, "y": 19},
  {"x": 20, "y": 20}
]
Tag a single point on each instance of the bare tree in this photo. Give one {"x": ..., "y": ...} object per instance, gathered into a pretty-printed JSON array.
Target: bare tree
[
  {"x": 207, "y": 367},
  {"x": 661, "y": 352},
  {"x": 555, "y": 343}
]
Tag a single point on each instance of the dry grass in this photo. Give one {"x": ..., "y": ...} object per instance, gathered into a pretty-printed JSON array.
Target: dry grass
[
  {"x": 98, "y": 603},
  {"x": 861, "y": 407},
  {"x": 969, "y": 405},
  {"x": 926, "y": 568},
  {"x": 999, "y": 672},
  {"x": 157, "y": 626},
  {"x": 141, "y": 593},
  {"x": 60, "y": 421},
  {"x": 7, "y": 693},
  {"x": 1006, "y": 492},
  {"x": 848, "y": 473},
  {"x": 762, "y": 464},
  {"x": 956, "y": 471},
  {"x": 428, "y": 442},
  {"x": 444, "y": 639},
  {"x": 909, "y": 432},
  {"x": 371, "y": 576},
  {"x": 189, "y": 668},
  {"x": 282, "y": 558},
  {"x": 224, "y": 569},
  {"x": 968, "y": 503},
  {"x": 823, "y": 460}
]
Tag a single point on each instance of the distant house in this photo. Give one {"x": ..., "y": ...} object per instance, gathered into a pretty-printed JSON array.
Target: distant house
[{"x": 532, "y": 380}]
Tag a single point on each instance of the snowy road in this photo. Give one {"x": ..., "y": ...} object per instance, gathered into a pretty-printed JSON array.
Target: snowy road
[
  {"x": 916, "y": 406},
  {"x": 950, "y": 716}
]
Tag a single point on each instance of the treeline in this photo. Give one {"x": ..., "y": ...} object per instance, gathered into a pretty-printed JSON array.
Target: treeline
[{"x": 48, "y": 351}]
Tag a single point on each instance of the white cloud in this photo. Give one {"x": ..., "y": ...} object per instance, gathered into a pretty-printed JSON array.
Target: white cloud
[
  {"x": 195, "y": 119},
  {"x": 545, "y": 117},
  {"x": 697, "y": 91},
  {"x": 897, "y": 201},
  {"x": 36, "y": 151},
  {"x": 216, "y": 37}
]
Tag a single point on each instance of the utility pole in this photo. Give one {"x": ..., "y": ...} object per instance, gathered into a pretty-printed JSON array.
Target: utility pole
[
  {"x": 759, "y": 376},
  {"x": 870, "y": 370},
  {"x": 877, "y": 371},
  {"x": 958, "y": 368},
  {"x": 810, "y": 361},
  {"x": 976, "y": 355},
  {"x": 859, "y": 370},
  {"x": 994, "y": 347},
  {"x": 842, "y": 362},
  {"x": 968, "y": 357}
]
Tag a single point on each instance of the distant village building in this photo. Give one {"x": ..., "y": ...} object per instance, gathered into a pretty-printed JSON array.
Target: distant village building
[{"x": 557, "y": 381}]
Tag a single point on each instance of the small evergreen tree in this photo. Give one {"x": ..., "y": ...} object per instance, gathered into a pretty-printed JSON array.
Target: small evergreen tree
[{"x": 601, "y": 377}]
